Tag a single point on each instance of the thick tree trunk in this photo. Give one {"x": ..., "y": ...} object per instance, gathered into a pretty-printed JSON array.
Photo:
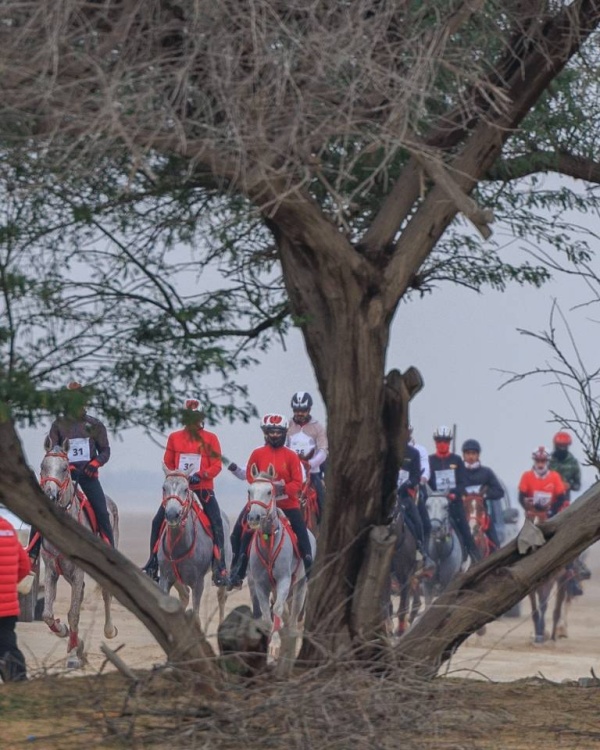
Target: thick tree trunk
[{"x": 180, "y": 636}]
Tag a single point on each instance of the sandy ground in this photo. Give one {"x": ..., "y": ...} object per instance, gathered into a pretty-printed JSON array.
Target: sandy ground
[{"x": 504, "y": 653}]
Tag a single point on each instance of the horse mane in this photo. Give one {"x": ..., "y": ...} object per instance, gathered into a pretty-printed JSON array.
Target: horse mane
[{"x": 264, "y": 475}]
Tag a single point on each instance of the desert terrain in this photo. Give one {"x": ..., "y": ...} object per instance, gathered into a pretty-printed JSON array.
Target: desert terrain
[{"x": 504, "y": 653}]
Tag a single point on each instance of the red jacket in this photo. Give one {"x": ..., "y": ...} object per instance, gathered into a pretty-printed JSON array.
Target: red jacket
[
  {"x": 14, "y": 565},
  {"x": 198, "y": 449},
  {"x": 287, "y": 469},
  {"x": 547, "y": 491}
]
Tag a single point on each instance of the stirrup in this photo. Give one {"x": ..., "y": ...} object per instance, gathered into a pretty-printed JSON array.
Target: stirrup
[{"x": 220, "y": 576}]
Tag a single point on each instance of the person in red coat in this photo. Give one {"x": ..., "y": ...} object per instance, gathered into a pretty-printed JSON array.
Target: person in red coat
[
  {"x": 288, "y": 474},
  {"x": 196, "y": 451},
  {"x": 14, "y": 566}
]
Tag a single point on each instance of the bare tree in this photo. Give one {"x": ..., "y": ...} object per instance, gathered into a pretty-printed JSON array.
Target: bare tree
[{"x": 357, "y": 130}]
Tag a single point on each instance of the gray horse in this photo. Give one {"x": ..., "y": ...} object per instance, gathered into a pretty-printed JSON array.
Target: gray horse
[
  {"x": 443, "y": 547},
  {"x": 57, "y": 484},
  {"x": 185, "y": 549},
  {"x": 274, "y": 565}
]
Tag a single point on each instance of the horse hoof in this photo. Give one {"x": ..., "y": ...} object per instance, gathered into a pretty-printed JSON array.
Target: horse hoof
[
  {"x": 538, "y": 640},
  {"x": 561, "y": 632},
  {"x": 111, "y": 632}
]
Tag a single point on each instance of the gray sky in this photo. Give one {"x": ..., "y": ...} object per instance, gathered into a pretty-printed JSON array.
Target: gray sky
[{"x": 456, "y": 338}]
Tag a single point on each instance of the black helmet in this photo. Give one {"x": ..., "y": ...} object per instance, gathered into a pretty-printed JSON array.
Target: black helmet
[
  {"x": 471, "y": 445},
  {"x": 302, "y": 401}
]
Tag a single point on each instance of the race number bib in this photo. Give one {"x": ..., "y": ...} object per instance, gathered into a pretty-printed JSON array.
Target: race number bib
[
  {"x": 444, "y": 480},
  {"x": 79, "y": 449},
  {"x": 542, "y": 498},
  {"x": 189, "y": 463},
  {"x": 402, "y": 477},
  {"x": 302, "y": 444},
  {"x": 473, "y": 489}
]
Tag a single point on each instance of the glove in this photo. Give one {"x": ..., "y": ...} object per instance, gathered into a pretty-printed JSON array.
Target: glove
[
  {"x": 91, "y": 469},
  {"x": 233, "y": 467},
  {"x": 539, "y": 506},
  {"x": 195, "y": 478},
  {"x": 279, "y": 487},
  {"x": 451, "y": 496}
]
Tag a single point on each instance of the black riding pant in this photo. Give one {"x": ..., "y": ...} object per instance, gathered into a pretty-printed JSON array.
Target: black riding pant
[
  {"x": 423, "y": 513},
  {"x": 317, "y": 483},
  {"x": 14, "y": 661},
  {"x": 412, "y": 517},
  {"x": 457, "y": 515},
  {"x": 95, "y": 494}
]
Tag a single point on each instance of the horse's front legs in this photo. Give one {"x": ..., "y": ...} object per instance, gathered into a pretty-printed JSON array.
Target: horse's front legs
[
  {"x": 110, "y": 629},
  {"x": 75, "y": 647},
  {"x": 50, "y": 583}
]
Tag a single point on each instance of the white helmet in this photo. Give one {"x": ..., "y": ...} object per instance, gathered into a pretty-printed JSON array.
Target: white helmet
[
  {"x": 442, "y": 433},
  {"x": 274, "y": 422}
]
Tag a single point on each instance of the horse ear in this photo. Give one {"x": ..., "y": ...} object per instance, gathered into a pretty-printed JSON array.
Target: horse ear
[
  {"x": 65, "y": 445},
  {"x": 166, "y": 468},
  {"x": 271, "y": 471},
  {"x": 254, "y": 471},
  {"x": 47, "y": 444}
]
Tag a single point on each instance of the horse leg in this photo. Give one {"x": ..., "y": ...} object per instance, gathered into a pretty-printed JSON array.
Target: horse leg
[
  {"x": 75, "y": 646},
  {"x": 559, "y": 631},
  {"x": 536, "y": 616},
  {"x": 290, "y": 633},
  {"x": 221, "y": 600},
  {"x": 283, "y": 590},
  {"x": 197, "y": 591},
  {"x": 50, "y": 583},
  {"x": 110, "y": 629}
]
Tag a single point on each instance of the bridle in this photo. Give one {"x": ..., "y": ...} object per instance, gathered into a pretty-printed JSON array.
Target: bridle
[
  {"x": 185, "y": 503},
  {"x": 62, "y": 486},
  {"x": 269, "y": 520}
]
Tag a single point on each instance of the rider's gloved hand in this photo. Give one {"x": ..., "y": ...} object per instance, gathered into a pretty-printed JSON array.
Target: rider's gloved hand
[
  {"x": 91, "y": 469},
  {"x": 195, "y": 478},
  {"x": 539, "y": 506},
  {"x": 232, "y": 467},
  {"x": 451, "y": 496},
  {"x": 279, "y": 487}
]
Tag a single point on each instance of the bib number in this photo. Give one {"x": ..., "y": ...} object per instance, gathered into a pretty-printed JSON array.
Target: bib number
[
  {"x": 444, "y": 480},
  {"x": 79, "y": 450},
  {"x": 542, "y": 498},
  {"x": 189, "y": 463}
]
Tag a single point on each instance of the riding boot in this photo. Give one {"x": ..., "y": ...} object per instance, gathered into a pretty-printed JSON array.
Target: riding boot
[
  {"x": 238, "y": 572},
  {"x": 427, "y": 567},
  {"x": 573, "y": 585},
  {"x": 211, "y": 508},
  {"x": 151, "y": 567},
  {"x": 583, "y": 572}
]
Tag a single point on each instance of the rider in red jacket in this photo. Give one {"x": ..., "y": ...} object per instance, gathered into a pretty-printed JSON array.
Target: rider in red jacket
[
  {"x": 14, "y": 566},
  {"x": 197, "y": 452},
  {"x": 289, "y": 478}
]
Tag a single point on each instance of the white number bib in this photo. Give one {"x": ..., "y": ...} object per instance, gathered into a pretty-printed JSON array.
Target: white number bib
[
  {"x": 189, "y": 463},
  {"x": 79, "y": 449},
  {"x": 302, "y": 444},
  {"x": 402, "y": 477},
  {"x": 542, "y": 498},
  {"x": 473, "y": 489},
  {"x": 444, "y": 480}
]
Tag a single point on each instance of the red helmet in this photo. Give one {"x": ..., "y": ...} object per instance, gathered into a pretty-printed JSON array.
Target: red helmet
[
  {"x": 562, "y": 439},
  {"x": 541, "y": 454}
]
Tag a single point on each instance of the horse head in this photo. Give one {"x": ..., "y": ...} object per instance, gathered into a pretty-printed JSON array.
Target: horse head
[
  {"x": 475, "y": 511},
  {"x": 177, "y": 496},
  {"x": 55, "y": 476},
  {"x": 437, "y": 507},
  {"x": 262, "y": 512}
]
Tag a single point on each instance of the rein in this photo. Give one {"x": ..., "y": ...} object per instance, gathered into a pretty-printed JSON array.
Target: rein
[{"x": 169, "y": 542}]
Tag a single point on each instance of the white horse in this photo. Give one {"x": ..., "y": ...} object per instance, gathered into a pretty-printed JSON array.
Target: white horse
[
  {"x": 275, "y": 567},
  {"x": 57, "y": 484},
  {"x": 443, "y": 547},
  {"x": 185, "y": 549}
]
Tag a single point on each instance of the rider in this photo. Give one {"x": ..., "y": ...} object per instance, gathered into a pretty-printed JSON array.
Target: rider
[
  {"x": 481, "y": 479},
  {"x": 197, "y": 450},
  {"x": 409, "y": 478},
  {"x": 88, "y": 451},
  {"x": 542, "y": 489},
  {"x": 304, "y": 431},
  {"x": 288, "y": 478},
  {"x": 448, "y": 476},
  {"x": 422, "y": 489},
  {"x": 565, "y": 463}
]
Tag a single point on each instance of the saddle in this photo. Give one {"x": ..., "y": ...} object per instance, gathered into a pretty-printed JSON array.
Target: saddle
[{"x": 87, "y": 508}]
